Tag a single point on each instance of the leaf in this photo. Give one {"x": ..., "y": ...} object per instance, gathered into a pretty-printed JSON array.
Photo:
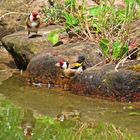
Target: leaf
[
  {"x": 53, "y": 37},
  {"x": 94, "y": 11},
  {"x": 117, "y": 46},
  {"x": 120, "y": 15},
  {"x": 119, "y": 50},
  {"x": 129, "y": 7},
  {"x": 104, "y": 45},
  {"x": 125, "y": 49},
  {"x": 70, "y": 19},
  {"x": 138, "y": 2},
  {"x": 98, "y": 10}
]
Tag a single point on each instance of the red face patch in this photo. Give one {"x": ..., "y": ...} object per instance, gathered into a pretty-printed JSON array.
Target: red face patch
[
  {"x": 34, "y": 14},
  {"x": 61, "y": 63}
]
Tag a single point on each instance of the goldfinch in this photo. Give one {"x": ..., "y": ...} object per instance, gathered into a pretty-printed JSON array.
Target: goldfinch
[
  {"x": 33, "y": 22},
  {"x": 70, "y": 70}
]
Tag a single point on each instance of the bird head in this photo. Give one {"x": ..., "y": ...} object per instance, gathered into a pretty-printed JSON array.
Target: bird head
[
  {"x": 34, "y": 16},
  {"x": 62, "y": 64},
  {"x": 27, "y": 132}
]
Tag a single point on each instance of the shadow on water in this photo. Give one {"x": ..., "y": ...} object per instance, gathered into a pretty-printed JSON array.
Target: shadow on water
[{"x": 53, "y": 101}]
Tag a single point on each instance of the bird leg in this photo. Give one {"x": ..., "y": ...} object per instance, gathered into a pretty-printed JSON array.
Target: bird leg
[{"x": 28, "y": 33}]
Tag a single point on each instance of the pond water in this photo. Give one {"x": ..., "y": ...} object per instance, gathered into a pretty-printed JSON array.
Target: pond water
[{"x": 53, "y": 101}]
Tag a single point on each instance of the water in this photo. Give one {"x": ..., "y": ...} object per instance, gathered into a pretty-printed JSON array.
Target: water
[{"x": 53, "y": 101}]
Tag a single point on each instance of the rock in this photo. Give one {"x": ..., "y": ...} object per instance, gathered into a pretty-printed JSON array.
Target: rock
[
  {"x": 23, "y": 48},
  {"x": 96, "y": 80},
  {"x": 42, "y": 69},
  {"x": 7, "y": 66},
  {"x": 42, "y": 66},
  {"x": 104, "y": 81}
]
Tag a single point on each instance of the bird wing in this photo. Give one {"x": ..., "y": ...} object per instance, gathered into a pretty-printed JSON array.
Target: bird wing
[
  {"x": 75, "y": 65},
  {"x": 28, "y": 22}
]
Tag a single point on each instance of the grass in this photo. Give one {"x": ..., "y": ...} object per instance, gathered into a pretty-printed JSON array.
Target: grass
[
  {"x": 46, "y": 128},
  {"x": 100, "y": 22}
]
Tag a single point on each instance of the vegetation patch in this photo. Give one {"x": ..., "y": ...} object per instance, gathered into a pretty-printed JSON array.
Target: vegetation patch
[{"x": 104, "y": 23}]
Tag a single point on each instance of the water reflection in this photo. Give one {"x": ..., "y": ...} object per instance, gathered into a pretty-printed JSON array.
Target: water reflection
[{"x": 28, "y": 123}]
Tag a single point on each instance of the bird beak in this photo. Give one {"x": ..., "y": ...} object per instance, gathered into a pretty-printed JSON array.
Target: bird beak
[
  {"x": 38, "y": 16},
  {"x": 57, "y": 64}
]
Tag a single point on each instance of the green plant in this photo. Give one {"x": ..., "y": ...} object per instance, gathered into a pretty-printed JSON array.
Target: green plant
[
  {"x": 119, "y": 50},
  {"x": 10, "y": 122},
  {"x": 113, "y": 25},
  {"x": 71, "y": 20},
  {"x": 114, "y": 51},
  {"x": 54, "y": 15},
  {"x": 104, "y": 21},
  {"x": 76, "y": 18},
  {"x": 104, "y": 45},
  {"x": 138, "y": 2},
  {"x": 70, "y": 5}
]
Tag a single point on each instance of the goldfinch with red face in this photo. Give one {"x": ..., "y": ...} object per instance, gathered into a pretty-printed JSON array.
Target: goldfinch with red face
[
  {"x": 70, "y": 70},
  {"x": 33, "y": 23}
]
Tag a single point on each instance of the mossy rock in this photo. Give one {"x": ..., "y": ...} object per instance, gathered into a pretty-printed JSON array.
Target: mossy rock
[{"x": 23, "y": 48}]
